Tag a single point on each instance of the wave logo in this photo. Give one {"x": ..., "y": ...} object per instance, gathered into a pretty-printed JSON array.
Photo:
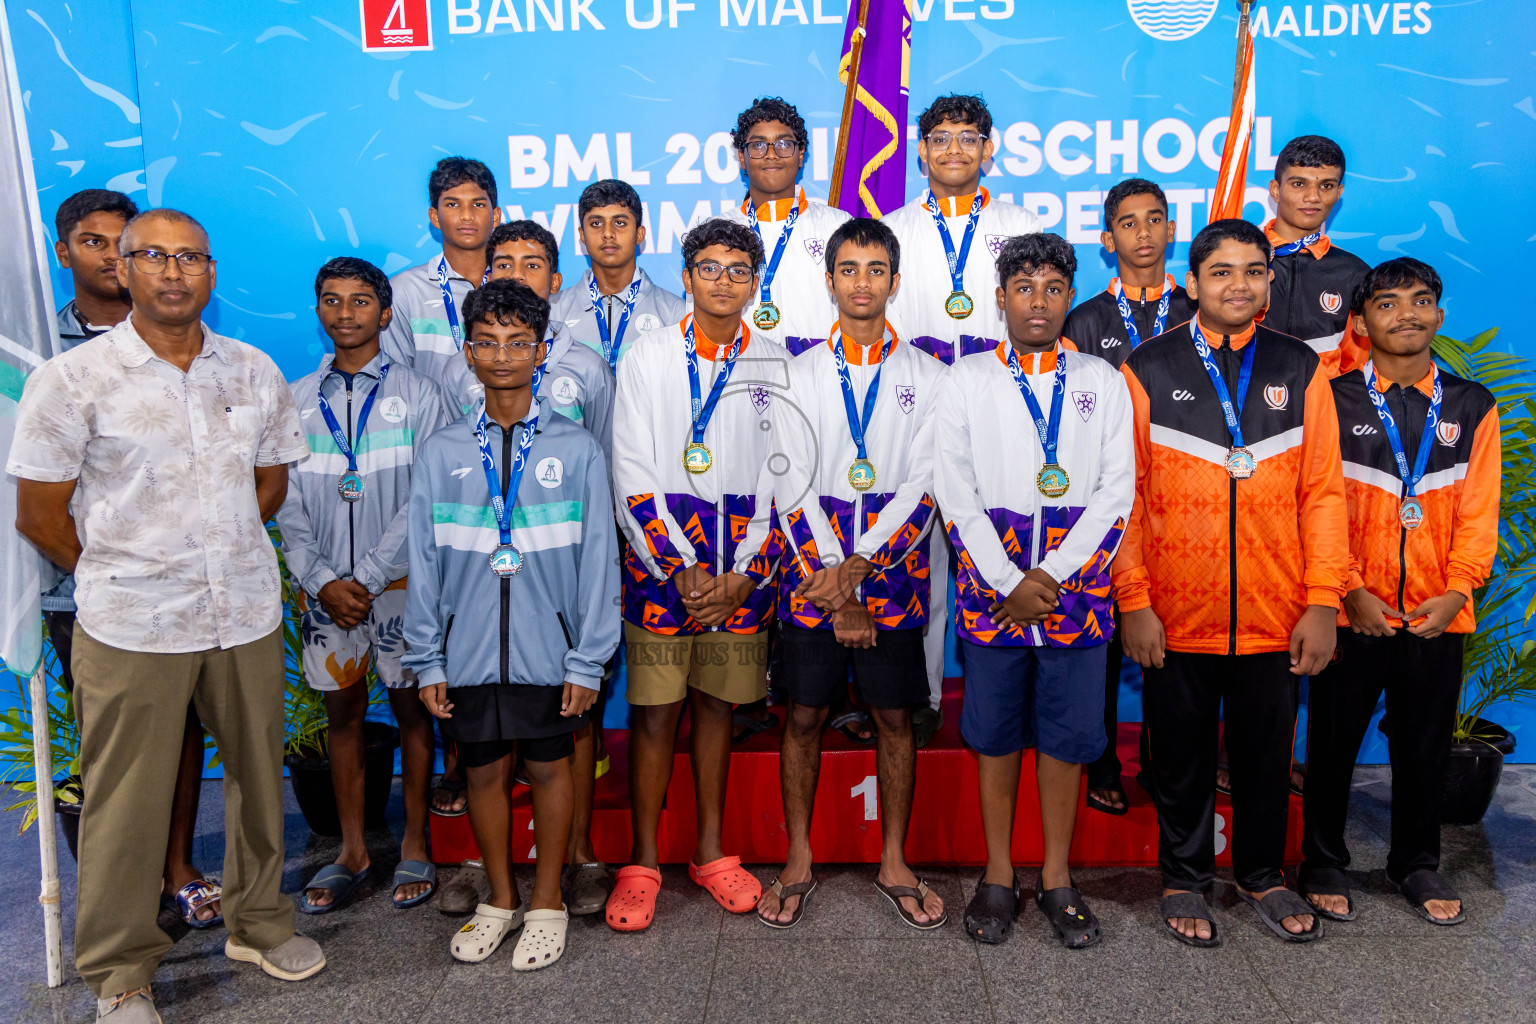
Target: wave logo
[{"x": 1171, "y": 20}]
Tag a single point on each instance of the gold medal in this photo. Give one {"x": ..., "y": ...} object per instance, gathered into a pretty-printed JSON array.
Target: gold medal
[
  {"x": 959, "y": 305},
  {"x": 697, "y": 459},
  {"x": 861, "y": 475},
  {"x": 1053, "y": 480},
  {"x": 766, "y": 316}
]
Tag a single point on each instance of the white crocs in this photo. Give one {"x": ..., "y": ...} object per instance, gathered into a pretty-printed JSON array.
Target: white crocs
[
  {"x": 542, "y": 941},
  {"x": 484, "y": 933}
]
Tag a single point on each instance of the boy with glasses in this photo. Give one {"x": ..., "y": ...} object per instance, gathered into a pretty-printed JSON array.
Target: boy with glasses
[{"x": 693, "y": 432}]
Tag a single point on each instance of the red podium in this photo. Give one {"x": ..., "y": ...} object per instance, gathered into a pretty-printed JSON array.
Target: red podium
[{"x": 946, "y": 815}]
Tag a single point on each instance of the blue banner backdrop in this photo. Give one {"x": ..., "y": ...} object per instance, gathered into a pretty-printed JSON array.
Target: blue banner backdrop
[{"x": 271, "y": 122}]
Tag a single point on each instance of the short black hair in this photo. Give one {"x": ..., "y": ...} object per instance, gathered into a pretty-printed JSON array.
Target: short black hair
[
  {"x": 768, "y": 108},
  {"x": 506, "y": 301},
  {"x": 729, "y": 233},
  {"x": 92, "y": 200},
  {"x": 956, "y": 109},
  {"x": 1399, "y": 273},
  {"x": 158, "y": 213},
  {"x": 350, "y": 268},
  {"x": 1123, "y": 191},
  {"x": 1035, "y": 252},
  {"x": 453, "y": 171},
  {"x": 864, "y": 231},
  {"x": 1231, "y": 230},
  {"x": 610, "y": 192},
  {"x": 1310, "y": 151},
  {"x": 524, "y": 231}
]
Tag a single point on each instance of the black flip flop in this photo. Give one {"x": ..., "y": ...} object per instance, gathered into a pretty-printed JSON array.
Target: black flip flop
[
  {"x": 1076, "y": 926},
  {"x": 990, "y": 914},
  {"x": 895, "y": 893},
  {"x": 453, "y": 787},
  {"x": 1328, "y": 881},
  {"x": 850, "y": 722},
  {"x": 1423, "y": 885},
  {"x": 1192, "y": 905},
  {"x": 749, "y": 726},
  {"x": 787, "y": 892},
  {"x": 1094, "y": 803},
  {"x": 1283, "y": 903}
]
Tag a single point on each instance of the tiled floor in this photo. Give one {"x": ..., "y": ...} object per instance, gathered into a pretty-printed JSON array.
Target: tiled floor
[{"x": 851, "y": 960}]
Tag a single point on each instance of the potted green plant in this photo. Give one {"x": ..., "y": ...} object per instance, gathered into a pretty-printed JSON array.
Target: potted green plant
[
  {"x": 64, "y": 734},
  {"x": 306, "y": 752},
  {"x": 1498, "y": 659}
]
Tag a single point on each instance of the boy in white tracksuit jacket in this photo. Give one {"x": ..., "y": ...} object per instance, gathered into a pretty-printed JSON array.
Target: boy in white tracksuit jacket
[{"x": 1035, "y": 473}]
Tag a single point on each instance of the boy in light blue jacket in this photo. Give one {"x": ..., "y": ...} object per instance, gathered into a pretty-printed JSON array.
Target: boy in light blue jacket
[{"x": 512, "y": 608}]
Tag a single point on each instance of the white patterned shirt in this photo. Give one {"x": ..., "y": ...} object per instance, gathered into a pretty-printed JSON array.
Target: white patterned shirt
[{"x": 175, "y": 555}]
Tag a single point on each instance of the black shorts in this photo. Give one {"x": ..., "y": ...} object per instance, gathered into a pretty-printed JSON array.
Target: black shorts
[
  {"x": 490, "y": 721},
  {"x": 813, "y": 668},
  {"x": 545, "y": 748}
]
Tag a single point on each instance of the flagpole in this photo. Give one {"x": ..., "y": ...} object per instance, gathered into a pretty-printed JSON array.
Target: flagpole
[
  {"x": 47, "y": 837},
  {"x": 1242, "y": 41},
  {"x": 855, "y": 55}
]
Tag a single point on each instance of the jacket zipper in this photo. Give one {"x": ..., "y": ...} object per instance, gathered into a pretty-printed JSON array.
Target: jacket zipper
[
  {"x": 1226, "y": 342},
  {"x": 506, "y": 581},
  {"x": 1037, "y": 529},
  {"x": 351, "y": 527},
  {"x": 719, "y": 506},
  {"x": 858, "y": 523},
  {"x": 1402, "y": 534}
]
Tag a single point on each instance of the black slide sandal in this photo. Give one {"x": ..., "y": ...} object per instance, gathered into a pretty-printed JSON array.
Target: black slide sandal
[
  {"x": 1094, "y": 803},
  {"x": 990, "y": 914},
  {"x": 1283, "y": 903},
  {"x": 1329, "y": 882},
  {"x": 1423, "y": 885},
  {"x": 1076, "y": 926},
  {"x": 1193, "y": 905}
]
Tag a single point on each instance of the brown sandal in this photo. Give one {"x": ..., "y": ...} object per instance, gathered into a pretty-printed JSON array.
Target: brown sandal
[
  {"x": 787, "y": 892},
  {"x": 895, "y": 893}
]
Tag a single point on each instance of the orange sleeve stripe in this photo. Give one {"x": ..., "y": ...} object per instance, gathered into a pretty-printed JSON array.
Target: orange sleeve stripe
[
  {"x": 1475, "y": 536},
  {"x": 1133, "y": 585},
  {"x": 1320, "y": 500}
]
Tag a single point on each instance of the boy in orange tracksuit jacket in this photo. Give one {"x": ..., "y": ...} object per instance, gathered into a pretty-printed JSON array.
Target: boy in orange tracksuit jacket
[
  {"x": 1422, "y": 474},
  {"x": 1230, "y": 574}
]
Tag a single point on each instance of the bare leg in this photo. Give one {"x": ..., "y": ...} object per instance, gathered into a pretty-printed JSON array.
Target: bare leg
[
  {"x": 709, "y": 731},
  {"x": 179, "y": 869},
  {"x": 583, "y": 786},
  {"x": 999, "y": 783},
  {"x": 799, "y": 768},
  {"x": 416, "y": 776},
  {"x": 652, "y": 742},
  {"x": 1059, "y": 782},
  {"x": 896, "y": 766},
  {"x": 345, "y": 709},
  {"x": 490, "y": 815},
  {"x": 552, "y": 801}
]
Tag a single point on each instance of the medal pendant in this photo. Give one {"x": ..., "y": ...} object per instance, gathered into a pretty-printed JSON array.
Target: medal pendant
[
  {"x": 1053, "y": 480},
  {"x": 959, "y": 305},
  {"x": 506, "y": 561},
  {"x": 1241, "y": 464},
  {"x": 697, "y": 459},
  {"x": 350, "y": 486},
  {"x": 1411, "y": 514},
  {"x": 766, "y": 316},
  {"x": 861, "y": 475}
]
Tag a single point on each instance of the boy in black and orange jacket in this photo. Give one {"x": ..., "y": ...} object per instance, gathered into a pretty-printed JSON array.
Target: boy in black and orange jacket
[
  {"x": 1231, "y": 573},
  {"x": 1422, "y": 475}
]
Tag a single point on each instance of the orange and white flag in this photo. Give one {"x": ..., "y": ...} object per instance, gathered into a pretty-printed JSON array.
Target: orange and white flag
[{"x": 1233, "y": 176}]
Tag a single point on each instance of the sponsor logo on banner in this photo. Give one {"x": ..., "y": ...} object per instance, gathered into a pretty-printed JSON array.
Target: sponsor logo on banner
[
  {"x": 1330, "y": 301},
  {"x": 550, "y": 473},
  {"x": 1448, "y": 433},
  {"x": 1171, "y": 20},
  {"x": 1277, "y": 396},
  {"x": 396, "y": 24},
  {"x": 906, "y": 397},
  {"x": 1086, "y": 402}
]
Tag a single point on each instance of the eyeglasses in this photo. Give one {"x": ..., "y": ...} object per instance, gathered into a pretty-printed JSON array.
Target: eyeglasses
[
  {"x": 758, "y": 148},
  {"x": 489, "y": 349},
  {"x": 969, "y": 141},
  {"x": 153, "y": 261},
  {"x": 711, "y": 271}
]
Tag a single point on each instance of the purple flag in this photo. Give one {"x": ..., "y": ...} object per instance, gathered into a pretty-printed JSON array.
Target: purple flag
[{"x": 874, "y": 178}]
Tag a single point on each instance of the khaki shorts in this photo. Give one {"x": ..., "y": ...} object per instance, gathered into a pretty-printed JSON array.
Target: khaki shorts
[{"x": 732, "y": 667}]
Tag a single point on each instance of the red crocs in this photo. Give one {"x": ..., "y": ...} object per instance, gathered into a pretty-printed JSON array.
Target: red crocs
[
  {"x": 632, "y": 904},
  {"x": 733, "y": 886}
]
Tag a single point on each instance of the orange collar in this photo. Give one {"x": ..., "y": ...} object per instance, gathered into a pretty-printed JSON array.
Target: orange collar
[
  {"x": 1426, "y": 383},
  {"x": 958, "y": 206},
  {"x": 776, "y": 209},
  {"x": 855, "y": 354},
  {"x": 708, "y": 349},
  {"x": 1213, "y": 338},
  {"x": 1045, "y": 363},
  {"x": 1146, "y": 294},
  {"x": 1318, "y": 249}
]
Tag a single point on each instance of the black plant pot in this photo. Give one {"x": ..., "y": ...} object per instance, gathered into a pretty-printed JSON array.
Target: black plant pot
[
  {"x": 69, "y": 824},
  {"x": 311, "y": 781},
  {"x": 1473, "y": 774}
]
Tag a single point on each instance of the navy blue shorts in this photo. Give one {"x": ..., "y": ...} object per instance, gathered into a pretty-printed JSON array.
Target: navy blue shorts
[{"x": 1049, "y": 698}]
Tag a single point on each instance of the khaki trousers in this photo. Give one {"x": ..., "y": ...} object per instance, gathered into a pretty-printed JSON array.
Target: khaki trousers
[{"x": 132, "y": 708}]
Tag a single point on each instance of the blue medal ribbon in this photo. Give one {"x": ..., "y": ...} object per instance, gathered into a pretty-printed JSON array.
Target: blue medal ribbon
[
  {"x": 449, "y": 309},
  {"x": 703, "y": 410},
  {"x": 339, "y": 435},
  {"x": 1294, "y": 247},
  {"x": 956, "y": 260},
  {"x": 612, "y": 343},
  {"x": 1232, "y": 413},
  {"x": 1163, "y": 304},
  {"x": 765, "y": 294},
  {"x": 1048, "y": 429},
  {"x": 499, "y": 505},
  {"x": 858, "y": 425},
  {"x": 1410, "y": 477}
]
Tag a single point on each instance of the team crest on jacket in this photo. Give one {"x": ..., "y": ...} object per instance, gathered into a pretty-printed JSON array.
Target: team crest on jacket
[
  {"x": 1331, "y": 301},
  {"x": 1085, "y": 402},
  {"x": 647, "y": 322},
  {"x": 1448, "y": 433},
  {"x": 564, "y": 391},
  {"x": 550, "y": 473},
  {"x": 906, "y": 397},
  {"x": 815, "y": 248},
  {"x": 1277, "y": 396},
  {"x": 761, "y": 395},
  {"x": 394, "y": 409},
  {"x": 995, "y": 244}
]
